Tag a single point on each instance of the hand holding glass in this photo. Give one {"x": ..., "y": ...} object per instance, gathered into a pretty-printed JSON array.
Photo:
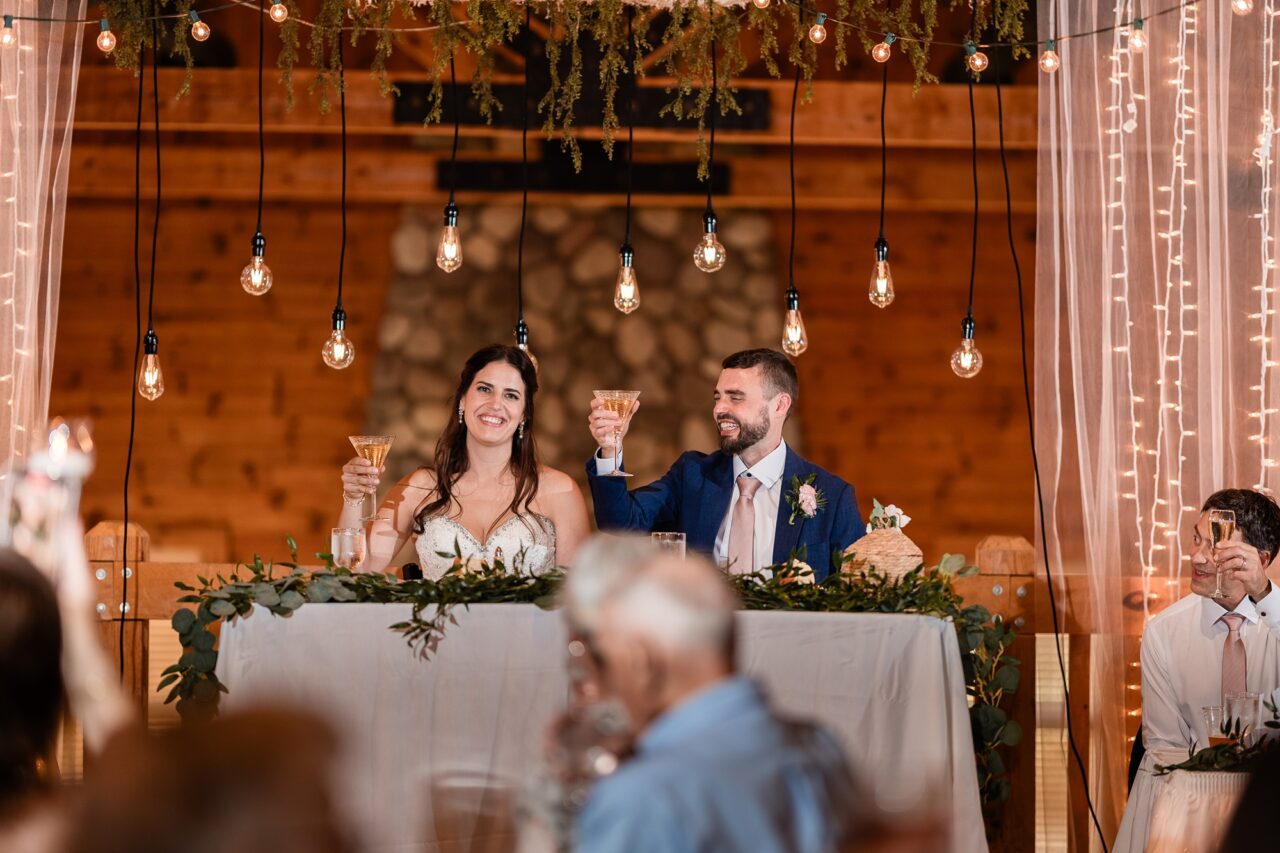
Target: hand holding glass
[
  {"x": 620, "y": 403},
  {"x": 373, "y": 448},
  {"x": 1222, "y": 526},
  {"x": 347, "y": 544}
]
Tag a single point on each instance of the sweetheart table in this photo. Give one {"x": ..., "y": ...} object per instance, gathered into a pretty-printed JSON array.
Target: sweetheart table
[{"x": 434, "y": 754}]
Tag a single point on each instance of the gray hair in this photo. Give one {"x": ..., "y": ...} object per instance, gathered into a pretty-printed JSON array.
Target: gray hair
[
  {"x": 681, "y": 605},
  {"x": 604, "y": 561}
]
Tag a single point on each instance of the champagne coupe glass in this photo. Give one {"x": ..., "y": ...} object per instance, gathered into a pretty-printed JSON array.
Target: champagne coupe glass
[
  {"x": 373, "y": 448},
  {"x": 620, "y": 403},
  {"x": 347, "y": 544},
  {"x": 1222, "y": 526},
  {"x": 673, "y": 542}
]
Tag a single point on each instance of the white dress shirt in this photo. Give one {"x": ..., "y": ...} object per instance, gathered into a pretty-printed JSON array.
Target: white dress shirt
[
  {"x": 767, "y": 500},
  {"x": 1182, "y": 673}
]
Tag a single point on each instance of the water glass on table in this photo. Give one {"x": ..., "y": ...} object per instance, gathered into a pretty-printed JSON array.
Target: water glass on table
[
  {"x": 673, "y": 542},
  {"x": 1213, "y": 721},
  {"x": 1245, "y": 710},
  {"x": 347, "y": 545}
]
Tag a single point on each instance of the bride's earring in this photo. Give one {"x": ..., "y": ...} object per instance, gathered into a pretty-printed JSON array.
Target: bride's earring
[
  {"x": 460, "y": 419},
  {"x": 520, "y": 432}
]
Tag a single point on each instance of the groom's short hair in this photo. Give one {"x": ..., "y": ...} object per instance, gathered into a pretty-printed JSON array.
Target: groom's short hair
[
  {"x": 779, "y": 372},
  {"x": 1257, "y": 516}
]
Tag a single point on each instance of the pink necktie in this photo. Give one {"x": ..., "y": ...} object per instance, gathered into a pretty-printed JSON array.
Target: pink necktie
[
  {"x": 1234, "y": 665},
  {"x": 742, "y": 535}
]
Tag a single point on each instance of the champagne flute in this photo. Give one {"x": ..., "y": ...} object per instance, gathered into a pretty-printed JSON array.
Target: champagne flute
[
  {"x": 374, "y": 448},
  {"x": 1222, "y": 526},
  {"x": 347, "y": 544},
  {"x": 620, "y": 403}
]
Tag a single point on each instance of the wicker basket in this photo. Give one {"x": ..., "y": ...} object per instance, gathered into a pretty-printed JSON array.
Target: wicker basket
[{"x": 888, "y": 550}]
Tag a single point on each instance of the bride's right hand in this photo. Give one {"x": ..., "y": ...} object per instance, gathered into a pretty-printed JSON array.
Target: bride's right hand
[{"x": 360, "y": 477}]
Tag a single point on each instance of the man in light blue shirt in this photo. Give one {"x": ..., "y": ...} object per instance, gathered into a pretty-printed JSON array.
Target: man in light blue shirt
[{"x": 713, "y": 768}]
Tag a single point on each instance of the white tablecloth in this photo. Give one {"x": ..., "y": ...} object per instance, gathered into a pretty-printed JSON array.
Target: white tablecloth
[
  {"x": 436, "y": 751},
  {"x": 1179, "y": 812}
]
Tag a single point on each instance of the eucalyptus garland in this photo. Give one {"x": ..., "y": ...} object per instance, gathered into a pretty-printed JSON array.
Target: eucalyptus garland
[
  {"x": 675, "y": 39},
  {"x": 990, "y": 673}
]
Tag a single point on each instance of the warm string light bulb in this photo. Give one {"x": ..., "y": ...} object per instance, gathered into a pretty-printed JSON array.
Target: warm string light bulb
[
  {"x": 8, "y": 35},
  {"x": 626, "y": 293},
  {"x": 882, "y": 51},
  {"x": 795, "y": 340},
  {"x": 150, "y": 377},
  {"x": 880, "y": 291},
  {"x": 1242, "y": 7},
  {"x": 1049, "y": 61},
  {"x": 818, "y": 33},
  {"x": 106, "y": 38},
  {"x": 256, "y": 278},
  {"x": 966, "y": 361},
  {"x": 279, "y": 13},
  {"x": 199, "y": 29},
  {"x": 761, "y": 4},
  {"x": 449, "y": 252},
  {"x": 338, "y": 352},
  {"x": 1137, "y": 37},
  {"x": 709, "y": 255},
  {"x": 977, "y": 60}
]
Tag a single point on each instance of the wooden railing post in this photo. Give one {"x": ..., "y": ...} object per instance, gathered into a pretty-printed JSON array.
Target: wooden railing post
[{"x": 114, "y": 555}]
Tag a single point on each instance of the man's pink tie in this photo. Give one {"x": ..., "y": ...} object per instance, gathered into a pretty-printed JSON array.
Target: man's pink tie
[
  {"x": 742, "y": 535},
  {"x": 1234, "y": 665}
]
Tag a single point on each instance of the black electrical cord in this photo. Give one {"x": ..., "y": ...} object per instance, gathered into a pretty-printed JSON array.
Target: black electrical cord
[
  {"x": 262, "y": 140},
  {"x": 631, "y": 119},
  {"x": 457, "y": 121},
  {"x": 973, "y": 258},
  {"x": 712, "y": 108},
  {"x": 521, "y": 328},
  {"x": 342, "y": 111},
  {"x": 791, "y": 153},
  {"x": 884, "y": 155},
  {"x": 1035, "y": 464}
]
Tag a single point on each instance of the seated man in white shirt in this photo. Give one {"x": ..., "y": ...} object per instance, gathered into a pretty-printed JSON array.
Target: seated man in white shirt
[{"x": 1201, "y": 649}]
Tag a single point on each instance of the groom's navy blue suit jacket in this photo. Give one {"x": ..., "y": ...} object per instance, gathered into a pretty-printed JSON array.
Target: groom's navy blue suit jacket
[{"x": 694, "y": 495}]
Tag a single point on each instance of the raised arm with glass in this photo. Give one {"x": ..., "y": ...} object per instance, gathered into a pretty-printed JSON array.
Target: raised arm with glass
[
  {"x": 1222, "y": 526},
  {"x": 373, "y": 449},
  {"x": 620, "y": 403}
]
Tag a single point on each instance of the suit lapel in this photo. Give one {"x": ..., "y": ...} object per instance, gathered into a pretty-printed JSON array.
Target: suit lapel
[
  {"x": 713, "y": 503},
  {"x": 787, "y": 536}
]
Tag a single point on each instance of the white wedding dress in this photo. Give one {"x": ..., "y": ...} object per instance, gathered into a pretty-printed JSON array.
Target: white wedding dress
[{"x": 525, "y": 543}]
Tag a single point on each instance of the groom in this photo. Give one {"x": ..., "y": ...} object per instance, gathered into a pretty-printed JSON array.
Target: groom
[{"x": 738, "y": 504}]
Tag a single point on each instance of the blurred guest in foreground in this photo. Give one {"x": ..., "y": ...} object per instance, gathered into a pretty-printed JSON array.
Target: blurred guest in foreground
[
  {"x": 256, "y": 782},
  {"x": 714, "y": 768}
]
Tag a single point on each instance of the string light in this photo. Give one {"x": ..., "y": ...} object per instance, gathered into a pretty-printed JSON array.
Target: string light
[
  {"x": 880, "y": 291},
  {"x": 977, "y": 60},
  {"x": 626, "y": 290},
  {"x": 761, "y": 4},
  {"x": 966, "y": 361},
  {"x": 199, "y": 29},
  {"x": 709, "y": 255},
  {"x": 522, "y": 328},
  {"x": 8, "y": 36},
  {"x": 795, "y": 340},
  {"x": 150, "y": 376},
  {"x": 106, "y": 38},
  {"x": 256, "y": 277},
  {"x": 882, "y": 51},
  {"x": 338, "y": 352},
  {"x": 449, "y": 250},
  {"x": 818, "y": 33},
  {"x": 1242, "y": 7},
  {"x": 1049, "y": 61},
  {"x": 1137, "y": 37},
  {"x": 279, "y": 12}
]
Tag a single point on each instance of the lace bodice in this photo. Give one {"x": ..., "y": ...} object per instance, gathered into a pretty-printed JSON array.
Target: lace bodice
[{"x": 525, "y": 543}]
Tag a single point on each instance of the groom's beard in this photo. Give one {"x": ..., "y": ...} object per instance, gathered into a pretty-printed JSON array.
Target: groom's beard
[{"x": 748, "y": 433}]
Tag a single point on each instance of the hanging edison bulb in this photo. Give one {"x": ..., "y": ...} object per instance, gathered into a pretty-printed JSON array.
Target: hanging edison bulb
[
  {"x": 256, "y": 278},
  {"x": 795, "y": 339},
  {"x": 279, "y": 13},
  {"x": 626, "y": 293},
  {"x": 338, "y": 352},
  {"x": 818, "y": 33},
  {"x": 449, "y": 252},
  {"x": 150, "y": 377},
  {"x": 709, "y": 255},
  {"x": 881, "y": 290},
  {"x": 8, "y": 35},
  {"x": 199, "y": 29},
  {"x": 1049, "y": 61},
  {"x": 1137, "y": 37},
  {"x": 106, "y": 38},
  {"x": 977, "y": 60},
  {"x": 966, "y": 361},
  {"x": 761, "y": 4},
  {"x": 1242, "y": 7},
  {"x": 882, "y": 51}
]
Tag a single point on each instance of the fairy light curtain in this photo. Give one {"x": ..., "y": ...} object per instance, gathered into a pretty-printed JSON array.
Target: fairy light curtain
[
  {"x": 38, "y": 73},
  {"x": 1155, "y": 305}
]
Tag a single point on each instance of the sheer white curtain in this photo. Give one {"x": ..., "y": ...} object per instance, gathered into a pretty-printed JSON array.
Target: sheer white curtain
[
  {"x": 37, "y": 99},
  {"x": 1155, "y": 304}
]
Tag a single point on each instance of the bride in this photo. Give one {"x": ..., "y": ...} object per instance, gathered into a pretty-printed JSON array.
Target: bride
[{"x": 487, "y": 495}]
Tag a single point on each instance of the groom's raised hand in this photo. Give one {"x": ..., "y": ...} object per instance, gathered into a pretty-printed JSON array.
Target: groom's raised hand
[{"x": 608, "y": 427}]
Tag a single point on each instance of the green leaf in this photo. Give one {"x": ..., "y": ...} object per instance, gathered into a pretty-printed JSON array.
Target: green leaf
[
  {"x": 183, "y": 620},
  {"x": 291, "y": 600},
  {"x": 222, "y": 608},
  {"x": 1006, "y": 679},
  {"x": 995, "y": 764},
  {"x": 205, "y": 661},
  {"x": 317, "y": 592},
  {"x": 204, "y": 641},
  {"x": 166, "y": 681},
  {"x": 1012, "y": 733}
]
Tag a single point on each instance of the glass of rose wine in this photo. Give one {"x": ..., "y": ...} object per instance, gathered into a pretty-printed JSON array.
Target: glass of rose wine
[
  {"x": 620, "y": 403},
  {"x": 373, "y": 448},
  {"x": 1222, "y": 526}
]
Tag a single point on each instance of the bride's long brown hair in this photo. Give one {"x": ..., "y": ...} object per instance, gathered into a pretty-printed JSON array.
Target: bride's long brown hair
[{"x": 451, "y": 450}]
